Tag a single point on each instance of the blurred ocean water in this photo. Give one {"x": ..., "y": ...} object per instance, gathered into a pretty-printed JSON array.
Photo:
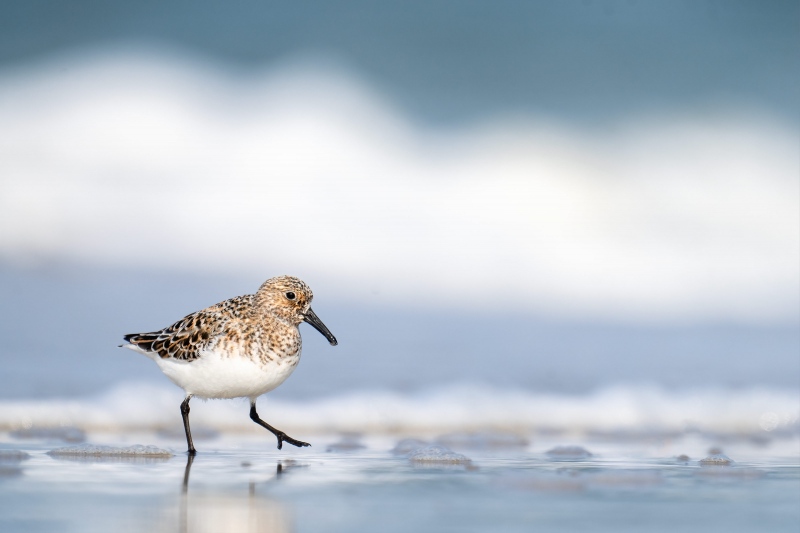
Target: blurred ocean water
[
  {"x": 141, "y": 162},
  {"x": 395, "y": 370},
  {"x": 616, "y": 241},
  {"x": 455, "y": 61},
  {"x": 559, "y": 244}
]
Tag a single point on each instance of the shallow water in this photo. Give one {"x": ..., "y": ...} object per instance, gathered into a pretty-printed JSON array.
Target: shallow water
[{"x": 241, "y": 483}]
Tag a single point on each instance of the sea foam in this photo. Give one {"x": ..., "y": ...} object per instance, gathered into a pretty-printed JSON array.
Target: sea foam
[
  {"x": 93, "y": 450},
  {"x": 682, "y": 215},
  {"x": 459, "y": 410}
]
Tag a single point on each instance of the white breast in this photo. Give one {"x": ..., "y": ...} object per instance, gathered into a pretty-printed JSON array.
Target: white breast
[{"x": 227, "y": 376}]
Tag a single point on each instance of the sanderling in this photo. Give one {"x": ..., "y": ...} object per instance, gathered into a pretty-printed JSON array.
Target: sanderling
[{"x": 240, "y": 348}]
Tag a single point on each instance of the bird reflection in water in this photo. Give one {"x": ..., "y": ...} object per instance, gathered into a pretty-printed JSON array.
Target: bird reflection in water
[{"x": 217, "y": 510}]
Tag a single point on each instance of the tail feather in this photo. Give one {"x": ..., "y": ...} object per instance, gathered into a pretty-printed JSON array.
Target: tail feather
[{"x": 141, "y": 341}]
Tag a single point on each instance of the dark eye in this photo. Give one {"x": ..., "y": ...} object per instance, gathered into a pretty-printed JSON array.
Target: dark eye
[{"x": 290, "y": 295}]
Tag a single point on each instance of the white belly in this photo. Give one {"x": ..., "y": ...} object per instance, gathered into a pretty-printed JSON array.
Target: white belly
[{"x": 216, "y": 376}]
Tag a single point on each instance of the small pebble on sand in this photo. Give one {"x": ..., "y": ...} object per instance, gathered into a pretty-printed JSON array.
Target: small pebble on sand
[
  {"x": 438, "y": 455},
  {"x": 92, "y": 450},
  {"x": 569, "y": 453},
  {"x": 717, "y": 459}
]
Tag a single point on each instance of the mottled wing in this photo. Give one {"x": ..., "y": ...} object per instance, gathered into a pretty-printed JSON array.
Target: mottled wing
[
  {"x": 182, "y": 340},
  {"x": 187, "y": 338}
]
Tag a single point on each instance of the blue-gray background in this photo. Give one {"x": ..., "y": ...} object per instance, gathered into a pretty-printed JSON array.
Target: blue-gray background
[
  {"x": 453, "y": 61},
  {"x": 91, "y": 247}
]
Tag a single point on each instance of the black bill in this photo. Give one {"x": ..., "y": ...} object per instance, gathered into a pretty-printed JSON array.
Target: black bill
[{"x": 314, "y": 320}]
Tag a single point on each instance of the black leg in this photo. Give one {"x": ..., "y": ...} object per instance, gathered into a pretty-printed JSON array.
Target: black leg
[
  {"x": 185, "y": 414},
  {"x": 278, "y": 433}
]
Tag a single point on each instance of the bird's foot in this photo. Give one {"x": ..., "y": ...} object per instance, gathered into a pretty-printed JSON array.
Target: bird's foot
[{"x": 294, "y": 442}]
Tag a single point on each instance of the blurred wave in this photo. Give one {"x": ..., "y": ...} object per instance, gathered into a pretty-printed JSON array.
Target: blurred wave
[
  {"x": 162, "y": 162},
  {"x": 635, "y": 410}
]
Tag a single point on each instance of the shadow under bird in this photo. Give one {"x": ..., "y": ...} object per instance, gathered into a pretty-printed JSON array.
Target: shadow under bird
[{"x": 240, "y": 348}]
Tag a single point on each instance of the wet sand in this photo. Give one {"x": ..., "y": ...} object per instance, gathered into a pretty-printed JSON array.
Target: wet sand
[{"x": 465, "y": 482}]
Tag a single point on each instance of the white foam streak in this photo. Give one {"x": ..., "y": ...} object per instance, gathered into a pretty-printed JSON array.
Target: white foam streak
[
  {"x": 154, "y": 162},
  {"x": 457, "y": 408}
]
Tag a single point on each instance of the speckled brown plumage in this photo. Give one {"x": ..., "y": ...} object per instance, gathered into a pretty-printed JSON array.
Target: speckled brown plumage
[{"x": 263, "y": 325}]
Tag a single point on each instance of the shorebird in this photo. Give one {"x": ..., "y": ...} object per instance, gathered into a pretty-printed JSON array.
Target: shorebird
[{"x": 240, "y": 348}]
